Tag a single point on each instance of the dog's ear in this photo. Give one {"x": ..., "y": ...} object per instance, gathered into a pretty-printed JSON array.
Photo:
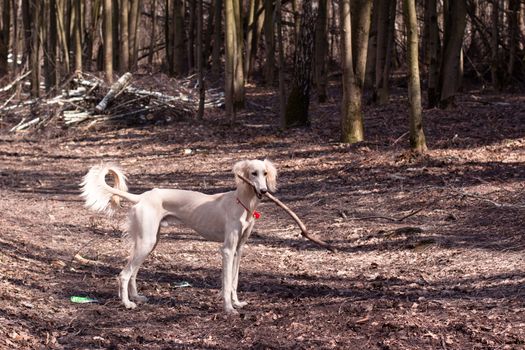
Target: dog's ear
[
  {"x": 241, "y": 167},
  {"x": 271, "y": 175}
]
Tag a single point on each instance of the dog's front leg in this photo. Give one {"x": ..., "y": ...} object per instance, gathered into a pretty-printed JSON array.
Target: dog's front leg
[
  {"x": 228, "y": 255},
  {"x": 236, "y": 265}
]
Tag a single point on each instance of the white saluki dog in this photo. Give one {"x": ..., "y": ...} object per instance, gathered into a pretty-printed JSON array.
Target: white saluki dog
[{"x": 223, "y": 217}]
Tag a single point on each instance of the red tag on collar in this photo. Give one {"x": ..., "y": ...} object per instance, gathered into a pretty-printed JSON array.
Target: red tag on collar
[{"x": 256, "y": 215}]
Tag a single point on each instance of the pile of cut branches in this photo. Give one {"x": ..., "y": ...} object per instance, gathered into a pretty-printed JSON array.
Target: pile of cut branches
[{"x": 88, "y": 100}]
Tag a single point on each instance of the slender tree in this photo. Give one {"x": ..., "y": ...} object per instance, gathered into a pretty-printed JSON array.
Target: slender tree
[
  {"x": 217, "y": 39},
  {"x": 299, "y": 99},
  {"x": 494, "y": 45},
  {"x": 77, "y": 6},
  {"x": 432, "y": 52},
  {"x": 353, "y": 72},
  {"x": 417, "y": 136},
  {"x": 35, "y": 49},
  {"x": 386, "y": 14},
  {"x": 108, "y": 40},
  {"x": 200, "y": 65},
  {"x": 133, "y": 29},
  {"x": 4, "y": 37},
  {"x": 180, "y": 54},
  {"x": 153, "y": 35},
  {"x": 321, "y": 48},
  {"x": 239, "y": 93},
  {"x": 230, "y": 56},
  {"x": 269, "y": 40},
  {"x": 124, "y": 37},
  {"x": 282, "y": 86},
  {"x": 455, "y": 21}
]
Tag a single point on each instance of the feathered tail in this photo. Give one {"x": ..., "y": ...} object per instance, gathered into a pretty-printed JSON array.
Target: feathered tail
[{"x": 98, "y": 195}]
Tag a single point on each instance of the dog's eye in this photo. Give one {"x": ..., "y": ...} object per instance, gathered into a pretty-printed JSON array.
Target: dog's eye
[
  {"x": 254, "y": 173},
  {"x": 265, "y": 173}
]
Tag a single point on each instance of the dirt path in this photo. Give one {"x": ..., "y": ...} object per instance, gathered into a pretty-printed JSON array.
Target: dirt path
[{"x": 450, "y": 276}]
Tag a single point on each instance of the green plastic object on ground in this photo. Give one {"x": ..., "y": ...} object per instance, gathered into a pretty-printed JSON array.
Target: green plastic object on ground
[{"x": 83, "y": 300}]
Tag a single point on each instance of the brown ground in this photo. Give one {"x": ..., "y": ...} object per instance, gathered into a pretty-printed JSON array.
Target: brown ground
[{"x": 451, "y": 276}]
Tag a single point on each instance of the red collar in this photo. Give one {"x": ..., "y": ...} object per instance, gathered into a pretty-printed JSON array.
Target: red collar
[{"x": 255, "y": 213}]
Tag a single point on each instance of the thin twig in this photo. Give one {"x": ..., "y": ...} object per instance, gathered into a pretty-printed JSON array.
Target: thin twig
[{"x": 412, "y": 213}]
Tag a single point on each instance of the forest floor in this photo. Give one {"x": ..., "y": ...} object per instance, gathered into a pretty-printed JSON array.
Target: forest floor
[{"x": 450, "y": 276}]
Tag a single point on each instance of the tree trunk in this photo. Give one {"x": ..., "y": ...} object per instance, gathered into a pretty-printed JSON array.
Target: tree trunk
[
  {"x": 239, "y": 94},
  {"x": 180, "y": 55},
  {"x": 282, "y": 87},
  {"x": 514, "y": 9},
  {"x": 27, "y": 25},
  {"x": 455, "y": 21},
  {"x": 78, "y": 35},
  {"x": 50, "y": 57},
  {"x": 351, "y": 113},
  {"x": 230, "y": 56},
  {"x": 257, "y": 33},
  {"x": 35, "y": 49},
  {"x": 191, "y": 36},
  {"x": 385, "y": 42},
  {"x": 321, "y": 51},
  {"x": 250, "y": 30},
  {"x": 372, "y": 47},
  {"x": 363, "y": 14},
  {"x": 153, "y": 35},
  {"x": 4, "y": 37},
  {"x": 217, "y": 42},
  {"x": 432, "y": 52},
  {"x": 108, "y": 40},
  {"x": 116, "y": 36},
  {"x": 299, "y": 98},
  {"x": 494, "y": 44},
  {"x": 63, "y": 42},
  {"x": 168, "y": 36},
  {"x": 354, "y": 71},
  {"x": 200, "y": 66},
  {"x": 269, "y": 39},
  {"x": 133, "y": 30},
  {"x": 417, "y": 136},
  {"x": 124, "y": 37},
  {"x": 15, "y": 41}
]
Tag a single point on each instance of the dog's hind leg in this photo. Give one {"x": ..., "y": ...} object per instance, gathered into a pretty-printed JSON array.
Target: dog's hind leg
[{"x": 144, "y": 226}]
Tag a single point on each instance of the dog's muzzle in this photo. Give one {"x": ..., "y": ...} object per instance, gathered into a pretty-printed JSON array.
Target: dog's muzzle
[{"x": 260, "y": 193}]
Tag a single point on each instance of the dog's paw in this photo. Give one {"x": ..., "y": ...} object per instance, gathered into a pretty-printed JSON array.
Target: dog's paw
[
  {"x": 240, "y": 304},
  {"x": 140, "y": 298},
  {"x": 231, "y": 311},
  {"x": 130, "y": 305}
]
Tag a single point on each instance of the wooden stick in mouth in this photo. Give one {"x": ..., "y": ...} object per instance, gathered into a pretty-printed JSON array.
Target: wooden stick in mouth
[{"x": 304, "y": 231}]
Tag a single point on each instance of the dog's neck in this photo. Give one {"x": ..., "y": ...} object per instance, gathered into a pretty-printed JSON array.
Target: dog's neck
[{"x": 247, "y": 197}]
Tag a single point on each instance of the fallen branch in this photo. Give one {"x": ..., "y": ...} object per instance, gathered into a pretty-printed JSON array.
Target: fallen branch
[
  {"x": 13, "y": 83},
  {"x": 496, "y": 204},
  {"x": 114, "y": 91},
  {"x": 412, "y": 213},
  {"x": 304, "y": 232},
  {"x": 22, "y": 126}
]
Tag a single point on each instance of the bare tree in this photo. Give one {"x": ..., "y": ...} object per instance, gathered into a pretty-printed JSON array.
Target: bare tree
[
  {"x": 417, "y": 136},
  {"x": 179, "y": 56},
  {"x": 321, "y": 48},
  {"x": 124, "y": 37},
  {"x": 4, "y": 36},
  {"x": 108, "y": 40},
  {"x": 298, "y": 101},
  {"x": 353, "y": 72},
  {"x": 455, "y": 21}
]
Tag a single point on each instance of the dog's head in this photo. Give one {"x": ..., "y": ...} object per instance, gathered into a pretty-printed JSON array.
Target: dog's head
[{"x": 261, "y": 173}]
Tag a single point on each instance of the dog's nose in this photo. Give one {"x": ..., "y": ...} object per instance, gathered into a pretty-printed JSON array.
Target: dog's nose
[{"x": 264, "y": 190}]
